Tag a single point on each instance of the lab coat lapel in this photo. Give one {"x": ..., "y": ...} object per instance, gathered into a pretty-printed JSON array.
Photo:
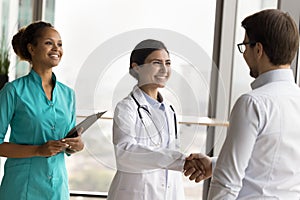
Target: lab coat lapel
[{"x": 139, "y": 96}]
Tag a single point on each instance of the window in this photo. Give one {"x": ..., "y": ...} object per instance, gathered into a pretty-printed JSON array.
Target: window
[
  {"x": 241, "y": 79},
  {"x": 98, "y": 37}
]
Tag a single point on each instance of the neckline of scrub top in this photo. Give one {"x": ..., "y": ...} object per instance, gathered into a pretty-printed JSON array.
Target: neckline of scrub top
[{"x": 36, "y": 77}]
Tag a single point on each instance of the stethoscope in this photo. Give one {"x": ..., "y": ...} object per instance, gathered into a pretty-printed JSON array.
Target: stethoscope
[{"x": 149, "y": 115}]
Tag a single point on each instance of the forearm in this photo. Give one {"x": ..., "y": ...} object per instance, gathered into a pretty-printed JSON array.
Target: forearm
[
  {"x": 236, "y": 151},
  {"x": 136, "y": 158},
  {"x": 11, "y": 150},
  {"x": 178, "y": 164}
]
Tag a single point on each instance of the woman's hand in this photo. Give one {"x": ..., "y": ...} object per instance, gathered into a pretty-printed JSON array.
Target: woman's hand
[
  {"x": 74, "y": 144},
  {"x": 51, "y": 148}
]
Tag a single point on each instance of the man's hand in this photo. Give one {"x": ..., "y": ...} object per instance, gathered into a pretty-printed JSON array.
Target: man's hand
[{"x": 198, "y": 167}]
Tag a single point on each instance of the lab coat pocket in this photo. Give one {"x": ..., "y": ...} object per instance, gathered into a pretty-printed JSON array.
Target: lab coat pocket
[
  {"x": 131, "y": 186},
  {"x": 148, "y": 135},
  {"x": 129, "y": 194}
]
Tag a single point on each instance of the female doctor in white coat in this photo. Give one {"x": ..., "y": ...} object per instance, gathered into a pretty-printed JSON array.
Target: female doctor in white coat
[{"x": 145, "y": 135}]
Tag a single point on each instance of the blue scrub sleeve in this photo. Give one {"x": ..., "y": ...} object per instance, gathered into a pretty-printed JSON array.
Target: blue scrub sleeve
[
  {"x": 8, "y": 99},
  {"x": 73, "y": 121}
]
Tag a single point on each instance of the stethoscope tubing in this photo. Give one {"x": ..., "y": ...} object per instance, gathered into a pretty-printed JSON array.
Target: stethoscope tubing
[{"x": 148, "y": 112}]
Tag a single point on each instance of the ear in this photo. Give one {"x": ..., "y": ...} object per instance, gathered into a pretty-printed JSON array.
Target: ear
[
  {"x": 135, "y": 67},
  {"x": 30, "y": 48},
  {"x": 259, "y": 49}
]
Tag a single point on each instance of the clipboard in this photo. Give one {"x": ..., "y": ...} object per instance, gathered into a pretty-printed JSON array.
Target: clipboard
[{"x": 85, "y": 124}]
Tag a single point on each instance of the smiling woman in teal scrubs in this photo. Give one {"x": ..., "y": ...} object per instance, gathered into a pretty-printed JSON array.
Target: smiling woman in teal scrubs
[{"x": 40, "y": 111}]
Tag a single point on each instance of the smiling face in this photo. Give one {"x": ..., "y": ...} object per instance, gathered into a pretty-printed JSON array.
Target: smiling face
[
  {"x": 155, "y": 71},
  {"x": 48, "y": 49}
]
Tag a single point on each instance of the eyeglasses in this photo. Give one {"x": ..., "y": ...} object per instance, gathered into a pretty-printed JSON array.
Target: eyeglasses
[{"x": 241, "y": 46}]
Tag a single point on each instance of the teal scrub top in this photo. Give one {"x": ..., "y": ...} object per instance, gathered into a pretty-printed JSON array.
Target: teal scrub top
[{"x": 34, "y": 120}]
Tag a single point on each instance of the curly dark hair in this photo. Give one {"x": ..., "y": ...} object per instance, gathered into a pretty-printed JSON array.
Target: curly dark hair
[{"x": 28, "y": 35}]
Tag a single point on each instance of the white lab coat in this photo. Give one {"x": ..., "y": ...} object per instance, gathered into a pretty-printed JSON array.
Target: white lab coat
[{"x": 144, "y": 171}]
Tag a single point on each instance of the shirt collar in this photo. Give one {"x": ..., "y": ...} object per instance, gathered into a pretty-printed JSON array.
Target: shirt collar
[
  {"x": 38, "y": 79},
  {"x": 146, "y": 100},
  {"x": 273, "y": 76},
  {"x": 154, "y": 103}
]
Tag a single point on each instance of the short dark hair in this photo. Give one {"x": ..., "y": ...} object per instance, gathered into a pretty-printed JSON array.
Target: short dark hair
[
  {"x": 276, "y": 31},
  {"x": 28, "y": 35},
  {"x": 143, "y": 49}
]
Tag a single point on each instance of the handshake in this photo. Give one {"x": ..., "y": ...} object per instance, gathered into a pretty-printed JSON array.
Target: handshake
[{"x": 198, "y": 167}]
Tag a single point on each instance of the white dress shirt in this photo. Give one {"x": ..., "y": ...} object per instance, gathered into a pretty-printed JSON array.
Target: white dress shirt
[{"x": 260, "y": 158}]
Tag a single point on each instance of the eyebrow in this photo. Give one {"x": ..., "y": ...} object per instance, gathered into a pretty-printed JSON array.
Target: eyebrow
[
  {"x": 157, "y": 59},
  {"x": 47, "y": 38}
]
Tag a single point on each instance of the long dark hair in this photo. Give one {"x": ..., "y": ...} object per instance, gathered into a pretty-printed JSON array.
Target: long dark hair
[{"x": 143, "y": 49}]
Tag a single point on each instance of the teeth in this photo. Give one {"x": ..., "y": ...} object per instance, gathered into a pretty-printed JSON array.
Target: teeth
[{"x": 55, "y": 56}]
